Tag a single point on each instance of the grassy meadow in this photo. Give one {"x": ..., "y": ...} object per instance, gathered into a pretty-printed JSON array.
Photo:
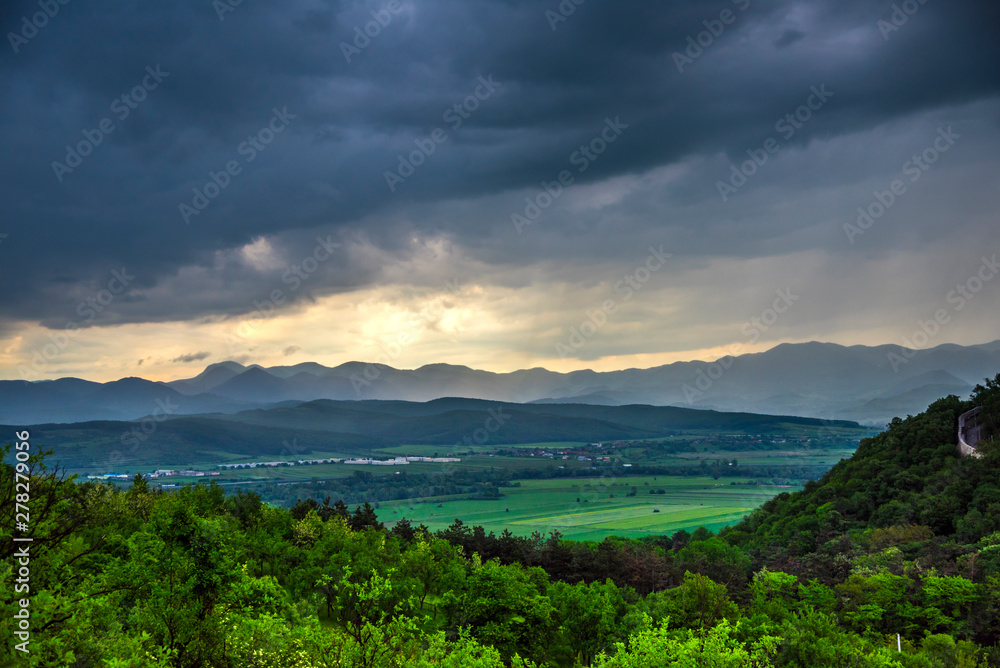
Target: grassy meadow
[{"x": 603, "y": 509}]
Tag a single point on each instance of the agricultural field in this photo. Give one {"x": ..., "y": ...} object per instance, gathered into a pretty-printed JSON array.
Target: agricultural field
[
  {"x": 812, "y": 457},
  {"x": 796, "y": 453},
  {"x": 594, "y": 508}
]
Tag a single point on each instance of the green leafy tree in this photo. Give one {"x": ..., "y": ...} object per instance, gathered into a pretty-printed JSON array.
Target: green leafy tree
[
  {"x": 717, "y": 647},
  {"x": 506, "y": 607},
  {"x": 812, "y": 638},
  {"x": 698, "y": 603},
  {"x": 591, "y": 619}
]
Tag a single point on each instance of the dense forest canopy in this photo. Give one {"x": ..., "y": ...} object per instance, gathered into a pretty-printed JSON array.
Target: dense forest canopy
[{"x": 902, "y": 538}]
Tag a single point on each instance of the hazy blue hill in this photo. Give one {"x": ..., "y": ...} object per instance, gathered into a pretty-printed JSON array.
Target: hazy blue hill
[
  {"x": 812, "y": 379},
  {"x": 670, "y": 417},
  {"x": 316, "y": 415},
  {"x": 598, "y": 398},
  {"x": 68, "y": 388},
  {"x": 72, "y": 400},
  {"x": 520, "y": 426},
  {"x": 311, "y": 368},
  {"x": 64, "y": 387},
  {"x": 450, "y": 419},
  {"x": 21, "y": 401},
  {"x": 135, "y": 390},
  {"x": 900, "y": 403},
  {"x": 937, "y": 377},
  {"x": 213, "y": 376},
  {"x": 254, "y": 385}
]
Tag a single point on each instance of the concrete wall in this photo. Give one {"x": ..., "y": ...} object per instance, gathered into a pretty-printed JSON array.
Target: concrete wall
[{"x": 966, "y": 449}]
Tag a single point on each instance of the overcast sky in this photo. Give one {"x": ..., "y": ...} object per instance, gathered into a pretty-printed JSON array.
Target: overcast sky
[{"x": 365, "y": 216}]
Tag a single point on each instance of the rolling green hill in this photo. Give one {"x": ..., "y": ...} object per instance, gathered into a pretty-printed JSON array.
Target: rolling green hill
[
  {"x": 358, "y": 427},
  {"x": 445, "y": 421}
]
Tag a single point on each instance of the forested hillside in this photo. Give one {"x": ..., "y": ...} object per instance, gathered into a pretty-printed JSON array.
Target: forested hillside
[
  {"x": 909, "y": 475},
  {"x": 903, "y": 538}
]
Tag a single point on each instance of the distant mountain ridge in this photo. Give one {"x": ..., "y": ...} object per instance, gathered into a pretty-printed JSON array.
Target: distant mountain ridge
[{"x": 824, "y": 380}]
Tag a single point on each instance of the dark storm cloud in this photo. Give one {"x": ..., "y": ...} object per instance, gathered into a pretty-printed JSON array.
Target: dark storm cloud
[
  {"x": 323, "y": 174},
  {"x": 192, "y": 357}
]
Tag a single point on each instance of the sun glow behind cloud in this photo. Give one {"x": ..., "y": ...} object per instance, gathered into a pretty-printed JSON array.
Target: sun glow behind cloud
[{"x": 491, "y": 326}]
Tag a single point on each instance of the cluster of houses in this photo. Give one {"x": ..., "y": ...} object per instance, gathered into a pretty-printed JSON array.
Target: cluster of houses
[
  {"x": 589, "y": 453},
  {"x": 163, "y": 473},
  {"x": 401, "y": 461},
  {"x": 397, "y": 461},
  {"x": 159, "y": 473}
]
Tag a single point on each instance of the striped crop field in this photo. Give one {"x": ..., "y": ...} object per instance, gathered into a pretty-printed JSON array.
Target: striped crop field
[{"x": 592, "y": 509}]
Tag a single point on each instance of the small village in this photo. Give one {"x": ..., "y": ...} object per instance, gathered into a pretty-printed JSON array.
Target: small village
[{"x": 181, "y": 473}]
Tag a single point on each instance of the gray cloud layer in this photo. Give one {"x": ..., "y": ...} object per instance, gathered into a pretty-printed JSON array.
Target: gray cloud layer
[{"x": 323, "y": 174}]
